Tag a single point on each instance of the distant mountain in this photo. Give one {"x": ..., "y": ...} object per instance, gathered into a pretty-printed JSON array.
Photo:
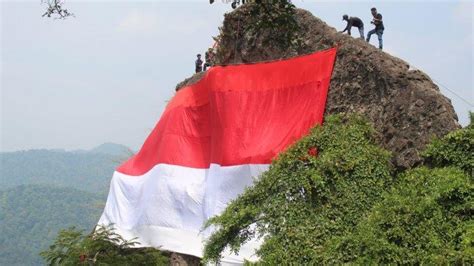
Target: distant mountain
[
  {"x": 112, "y": 149},
  {"x": 86, "y": 170},
  {"x": 31, "y": 215},
  {"x": 108, "y": 148}
]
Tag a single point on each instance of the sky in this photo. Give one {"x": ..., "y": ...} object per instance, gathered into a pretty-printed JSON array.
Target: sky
[{"x": 106, "y": 74}]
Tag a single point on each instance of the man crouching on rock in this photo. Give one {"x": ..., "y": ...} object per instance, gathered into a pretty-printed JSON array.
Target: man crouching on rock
[{"x": 353, "y": 22}]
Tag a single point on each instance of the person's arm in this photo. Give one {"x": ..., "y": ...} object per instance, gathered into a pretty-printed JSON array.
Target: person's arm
[
  {"x": 377, "y": 19},
  {"x": 348, "y": 27}
]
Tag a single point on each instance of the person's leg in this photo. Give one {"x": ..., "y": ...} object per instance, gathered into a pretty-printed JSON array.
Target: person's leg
[
  {"x": 369, "y": 34},
  {"x": 361, "y": 31},
  {"x": 379, "y": 35}
]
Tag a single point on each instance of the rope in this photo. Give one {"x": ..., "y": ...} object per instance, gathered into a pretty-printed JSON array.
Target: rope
[
  {"x": 437, "y": 82},
  {"x": 455, "y": 94},
  {"x": 446, "y": 88}
]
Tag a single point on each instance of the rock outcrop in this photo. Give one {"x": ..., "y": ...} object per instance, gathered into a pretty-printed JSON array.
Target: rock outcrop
[{"x": 404, "y": 105}]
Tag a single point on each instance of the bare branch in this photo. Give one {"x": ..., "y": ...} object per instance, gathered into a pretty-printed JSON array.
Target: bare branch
[{"x": 55, "y": 9}]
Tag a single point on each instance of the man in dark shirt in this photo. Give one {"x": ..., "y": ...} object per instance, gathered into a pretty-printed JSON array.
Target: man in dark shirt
[
  {"x": 353, "y": 22},
  {"x": 379, "y": 28},
  {"x": 198, "y": 63}
]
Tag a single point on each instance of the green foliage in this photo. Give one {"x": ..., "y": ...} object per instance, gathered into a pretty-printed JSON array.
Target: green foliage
[
  {"x": 278, "y": 17},
  {"x": 103, "y": 247},
  {"x": 303, "y": 201},
  {"x": 456, "y": 149},
  {"x": 31, "y": 216},
  {"x": 425, "y": 219},
  {"x": 273, "y": 23},
  {"x": 344, "y": 206}
]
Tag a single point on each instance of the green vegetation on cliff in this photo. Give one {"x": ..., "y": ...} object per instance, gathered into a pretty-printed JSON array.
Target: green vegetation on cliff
[{"x": 347, "y": 205}]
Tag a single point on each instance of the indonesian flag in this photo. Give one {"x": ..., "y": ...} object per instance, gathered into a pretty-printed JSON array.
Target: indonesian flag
[{"x": 213, "y": 140}]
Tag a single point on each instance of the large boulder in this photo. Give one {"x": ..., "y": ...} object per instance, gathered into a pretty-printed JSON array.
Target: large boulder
[{"x": 405, "y": 106}]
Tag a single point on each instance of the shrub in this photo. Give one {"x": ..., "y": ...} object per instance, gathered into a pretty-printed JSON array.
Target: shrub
[
  {"x": 103, "y": 247},
  {"x": 426, "y": 218},
  {"x": 455, "y": 149}
]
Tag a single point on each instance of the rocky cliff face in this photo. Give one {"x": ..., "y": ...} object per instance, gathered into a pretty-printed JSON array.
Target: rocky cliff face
[{"x": 404, "y": 105}]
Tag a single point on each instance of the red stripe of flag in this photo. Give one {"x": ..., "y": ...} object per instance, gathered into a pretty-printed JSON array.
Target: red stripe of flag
[{"x": 240, "y": 114}]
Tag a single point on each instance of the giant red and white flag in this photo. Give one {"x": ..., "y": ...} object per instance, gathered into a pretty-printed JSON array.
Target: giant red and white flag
[{"x": 213, "y": 140}]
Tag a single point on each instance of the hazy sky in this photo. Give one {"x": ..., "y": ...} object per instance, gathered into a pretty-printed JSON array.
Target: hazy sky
[{"x": 105, "y": 75}]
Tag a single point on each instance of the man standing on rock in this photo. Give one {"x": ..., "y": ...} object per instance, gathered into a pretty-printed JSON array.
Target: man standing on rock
[
  {"x": 379, "y": 28},
  {"x": 353, "y": 22},
  {"x": 198, "y": 63}
]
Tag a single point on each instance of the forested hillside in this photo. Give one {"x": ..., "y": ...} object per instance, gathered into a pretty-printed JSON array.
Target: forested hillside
[
  {"x": 32, "y": 215},
  {"x": 43, "y": 191},
  {"x": 85, "y": 170}
]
